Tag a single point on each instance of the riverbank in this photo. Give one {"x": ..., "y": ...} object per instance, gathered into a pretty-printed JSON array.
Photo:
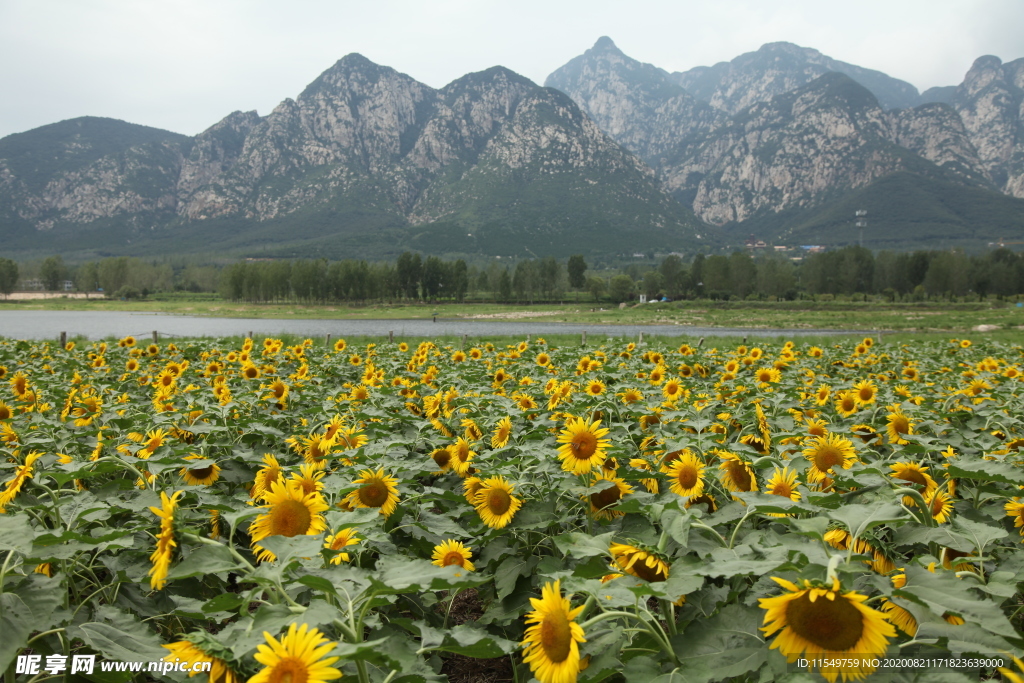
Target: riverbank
[{"x": 805, "y": 315}]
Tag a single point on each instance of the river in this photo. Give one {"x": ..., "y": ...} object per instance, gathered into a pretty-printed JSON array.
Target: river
[{"x": 116, "y": 324}]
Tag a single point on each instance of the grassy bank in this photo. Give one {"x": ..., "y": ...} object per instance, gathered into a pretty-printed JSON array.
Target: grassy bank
[{"x": 831, "y": 315}]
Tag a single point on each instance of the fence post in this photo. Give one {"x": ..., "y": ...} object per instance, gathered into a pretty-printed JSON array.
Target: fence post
[
  {"x": 156, "y": 336},
  {"x": 391, "y": 337},
  {"x": 744, "y": 340},
  {"x": 327, "y": 341},
  {"x": 63, "y": 339},
  {"x": 641, "y": 340},
  {"x": 700, "y": 343},
  {"x": 463, "y": 345},
  {"x": 583, "y": 339}
]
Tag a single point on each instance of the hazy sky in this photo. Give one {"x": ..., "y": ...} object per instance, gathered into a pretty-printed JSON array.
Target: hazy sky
[{"x": 185, "y": 64}]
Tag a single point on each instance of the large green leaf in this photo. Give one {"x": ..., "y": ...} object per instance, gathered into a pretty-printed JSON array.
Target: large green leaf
[
  {"x": 943, "y": 592},
  {"x": 726, "y": 645},
  {"x": 26, "y": 607}
]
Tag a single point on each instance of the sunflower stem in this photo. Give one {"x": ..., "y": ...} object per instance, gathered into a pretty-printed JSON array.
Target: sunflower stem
[
  {"x": 451, "y": 603},
  {"x": 732, "y": 538},
  {"x": 668, "y": 611},
  {"x": 702, "y": 525}
]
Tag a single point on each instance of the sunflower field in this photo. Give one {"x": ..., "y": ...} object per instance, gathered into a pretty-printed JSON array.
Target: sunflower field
[{"x": 394, "y": 513}]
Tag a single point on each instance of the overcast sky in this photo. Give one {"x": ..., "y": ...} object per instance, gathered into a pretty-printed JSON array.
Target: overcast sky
[{"x": 183, "y": 65}]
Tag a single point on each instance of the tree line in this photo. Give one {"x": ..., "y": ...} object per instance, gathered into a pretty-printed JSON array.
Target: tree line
[{"x": 848, "y": 271}]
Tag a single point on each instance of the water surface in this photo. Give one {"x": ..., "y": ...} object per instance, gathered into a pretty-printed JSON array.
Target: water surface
[{"x": 105, "y": 324}]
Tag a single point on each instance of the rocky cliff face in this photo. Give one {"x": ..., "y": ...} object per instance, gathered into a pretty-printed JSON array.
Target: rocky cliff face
[
  {"x": 793, "y": 151},
  {"x": 990, "y": 102},
  {"x": 637, "y": 104},
  {"x": 778, "y": 68},
  {"x": 936, "y": 133}
]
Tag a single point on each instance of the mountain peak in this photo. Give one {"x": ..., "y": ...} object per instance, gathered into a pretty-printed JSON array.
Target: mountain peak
[{"x": 605, "y": 44}]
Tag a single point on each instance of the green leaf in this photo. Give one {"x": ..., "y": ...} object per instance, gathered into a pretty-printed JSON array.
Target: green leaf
[
  {"x": 979, "y": 533},
  {"x": 726, "y": 645},
  {"x": 411, "y": 575},
  {"x": 28, "y": 607},
  {"x": 582, "y": 545},
  {"x": 742, "y": 560},
  {"x": 509, "y": 572},
  {"x": 206, "y": 559},
  {"x": 15, "y": 534},
  {"x": 944, "y": 592},
  {"x": 862, "y": 518},
  {"x": 985, "y": 470},
  {"x": 136, "y": 645},
  {"x": 473, "y": 641}
]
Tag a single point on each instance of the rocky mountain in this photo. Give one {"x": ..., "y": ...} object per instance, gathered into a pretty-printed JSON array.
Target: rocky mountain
[
  {"x": 365, "y": 159},
  {"x": 612, "y": 154},
  {"x": 990, "y": 102},
  {"x": 793, "y": 151},
  {"x": 778, "y": 68},
  {"x": 637, "y": 104},
  {"x": 786, "y": 130}
]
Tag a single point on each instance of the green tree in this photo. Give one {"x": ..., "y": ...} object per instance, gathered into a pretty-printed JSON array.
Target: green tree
[
  {"x": 8, "y": 275},
  {"x": 621, "y": 288},
  {"x": 504, "y": 286},
  {"x": 113, "y": 274},
  {"x": 53, "y": 273},
  {"x": 409, "y": 270},
  {"x": 577, "y": 268},
  {"x": 672, "y": 276},
  {"x": 597, "y": 287}
]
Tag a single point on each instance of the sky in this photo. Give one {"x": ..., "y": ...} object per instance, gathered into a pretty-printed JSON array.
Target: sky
[{"x": 183, "y": 65}]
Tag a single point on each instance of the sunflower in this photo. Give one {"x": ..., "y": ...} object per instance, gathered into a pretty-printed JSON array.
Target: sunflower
[
  {"x": 461, "y": 455},
  {"x": 818, "y": 623},
  {"x": 161, "y": 557},
  {"x": 288, "y": 511},
  {"x": 582, "y": 448},
  {"x": 502, "y": 432},
  {"x": 342, "y": 539},
  {"x": 639, "y": 563},
  {"x": 21, "y": 475},
  {"x": 916, "y": 475},
  {"x": 672, "y": 390},
  {"x": 350, "y": 438},
  {"x": 200, "y": 476},
  {"x": 551, "y": 647},
  {"x": 495, "y": 502},
  {"x": 604, "y": 500},
  {"x": 865, "y": 391},
  {"x": 631, "y": 396},
  {"x": 189, "y": 654},
  {"x": 265, "y": 477},
  {"x": 940, "y": 504},
  {"x": 1015, "y": 508},
  {"x": 756, "y": 442},
  {"x": 898, "y": 425},
  {"x": 453, "y": 552},
  {"x": 822, "y": 394},
  {"x": 846, "y": 403},
  {"x": 595, "y": 387},
  {"x": 687, "y": 474},
  {"x": 298, "y": 656},
  {"x": 826, "y": 452},
  {"x": 378, "y": 490},
  {"x": 737, "y": 475},
  {"x": 313, "y": 448},
  {"x": 899, "y": 616},
  {"x": 783, "y": 482},
  {"x": 153, "y": 440},
  {"x": 308, "y": 477}
]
